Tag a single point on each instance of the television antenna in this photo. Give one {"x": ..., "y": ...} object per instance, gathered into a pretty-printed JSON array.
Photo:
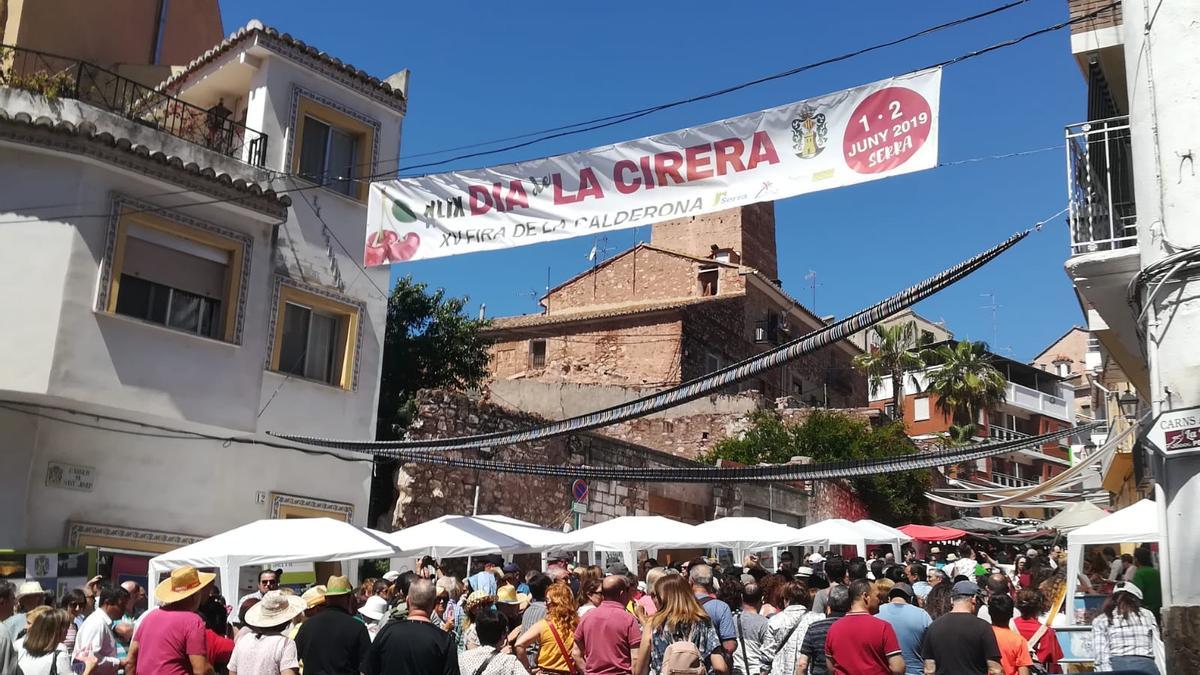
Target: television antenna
[{"x": 993, "y": 307}]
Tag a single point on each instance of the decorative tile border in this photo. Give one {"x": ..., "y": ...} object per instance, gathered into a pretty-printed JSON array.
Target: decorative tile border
[
  {"x": 77, "y": 530},
  {"x": 272, "y": 326},
  {"x": 280, "y": 502},
  {"x": 120, "y": 201},
  {"x": 294, "y": 124}
]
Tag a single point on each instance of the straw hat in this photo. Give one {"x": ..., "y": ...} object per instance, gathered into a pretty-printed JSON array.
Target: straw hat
[
  {"x": 314, "y": 597},
  {"x": 508, "y": 595},
  {"x": 374, "y": 608},
  {"x": 338, "y": 586},
  {"x": 477, "y": 598},
  {"x": 274, "y": 609},
  {"x": 30, "y": 587},
  {"x": 183, "y": 582}
]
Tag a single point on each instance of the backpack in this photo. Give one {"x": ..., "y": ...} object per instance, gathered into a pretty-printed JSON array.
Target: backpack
[{"x": 682, "y": 657}]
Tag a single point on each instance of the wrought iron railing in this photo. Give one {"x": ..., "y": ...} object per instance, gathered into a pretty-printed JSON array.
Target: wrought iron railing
[
  {"x": 62, "y": 77},
  {"x": 1011, "y": 481},
  {"x": 1102, "y": 209}
]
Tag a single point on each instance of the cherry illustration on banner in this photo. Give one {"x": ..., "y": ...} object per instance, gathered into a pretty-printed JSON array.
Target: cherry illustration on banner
[{"x": 886, "y": 129}]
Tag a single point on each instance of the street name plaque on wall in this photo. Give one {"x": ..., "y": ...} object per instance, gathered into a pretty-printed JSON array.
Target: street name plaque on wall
[{"x": 70, "y": 476}]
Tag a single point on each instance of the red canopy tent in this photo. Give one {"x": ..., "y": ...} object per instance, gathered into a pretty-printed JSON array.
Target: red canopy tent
[{"x": 932, "y": 532}]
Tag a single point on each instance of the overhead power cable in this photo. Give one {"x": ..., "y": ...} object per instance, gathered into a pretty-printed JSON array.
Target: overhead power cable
[
  {"x": 574, "y": 129},
  {"x": 784, "y": 472},
  {"x": 698, "y": 387},
  {"x": 653, "y": 109}
]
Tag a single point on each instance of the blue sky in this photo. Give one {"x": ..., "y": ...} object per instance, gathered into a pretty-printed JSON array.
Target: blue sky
[{"x": 482, "y": 71}]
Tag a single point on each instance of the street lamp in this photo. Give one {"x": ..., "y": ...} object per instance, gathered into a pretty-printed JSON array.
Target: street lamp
[{"x": 1128, "y": 402}]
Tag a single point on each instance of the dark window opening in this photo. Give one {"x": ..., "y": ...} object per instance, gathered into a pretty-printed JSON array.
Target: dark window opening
[{"x": 537, "y": 353}]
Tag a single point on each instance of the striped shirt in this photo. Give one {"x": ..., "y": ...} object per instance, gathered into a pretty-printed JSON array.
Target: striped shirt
[{"x": 1133, "y": 635}]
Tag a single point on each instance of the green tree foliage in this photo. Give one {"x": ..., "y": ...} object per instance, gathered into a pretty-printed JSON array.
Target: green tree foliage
[
  {"x": 429, "y": 343},
  {"x": 895, "y": 498},
  {"x": 896, "y": 354},
  {"x": 965, "y": 384}
]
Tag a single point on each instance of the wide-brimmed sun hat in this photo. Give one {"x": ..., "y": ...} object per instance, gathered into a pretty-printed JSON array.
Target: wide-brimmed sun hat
[
  {"x": 314, "y": 597},
  {"x": 374, "y": 608},
  {"x": 477, "y": 598},
  {"x": 184, "y": 582},
  {"x": 508, "y": 595},
  {"x": 274, "y": 609},
  {"x": 31, "y": 587},
  {"x": 338, "y": 586}
]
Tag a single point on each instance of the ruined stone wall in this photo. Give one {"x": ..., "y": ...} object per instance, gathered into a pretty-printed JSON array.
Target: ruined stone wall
[
  {"x": 425, "y": 491},
  {"x": 630, "y": 351}
]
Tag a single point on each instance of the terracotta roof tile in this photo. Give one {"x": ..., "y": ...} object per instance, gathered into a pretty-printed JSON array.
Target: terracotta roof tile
[
  {"x": 532, "y": 320},
  {"x": 303, "y": 49},
  {"x": 88, "y": 131}
]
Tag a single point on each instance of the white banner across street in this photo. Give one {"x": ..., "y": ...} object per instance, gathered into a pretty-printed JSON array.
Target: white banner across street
[{"x": 852, "y": 136}]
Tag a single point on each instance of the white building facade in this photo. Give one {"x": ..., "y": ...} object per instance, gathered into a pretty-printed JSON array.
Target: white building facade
[
  {"x": 176, "y": 286},
  {"x": 1135, "y": 255}
]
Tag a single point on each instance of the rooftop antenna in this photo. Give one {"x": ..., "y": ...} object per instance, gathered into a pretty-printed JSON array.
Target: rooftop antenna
[
  {"x": 811, "y": 278},
  {"x": 993, "y": 307}
]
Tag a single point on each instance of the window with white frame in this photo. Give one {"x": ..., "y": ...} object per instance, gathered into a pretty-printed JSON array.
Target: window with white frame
[{"x": 921, "y": 409}]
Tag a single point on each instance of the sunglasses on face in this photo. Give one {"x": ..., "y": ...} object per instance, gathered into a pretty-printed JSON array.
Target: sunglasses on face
[{"x": 269, "y": 583}]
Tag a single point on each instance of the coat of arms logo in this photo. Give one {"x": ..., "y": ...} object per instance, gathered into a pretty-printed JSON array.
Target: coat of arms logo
[{"x": 809, "y": 133}]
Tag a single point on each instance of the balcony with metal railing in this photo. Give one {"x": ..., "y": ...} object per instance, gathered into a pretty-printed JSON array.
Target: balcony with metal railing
[
  {"x": 58, "y": 77},
  {"x": 1011, "y": 481},
  {"x": 1101, "y": 205}
]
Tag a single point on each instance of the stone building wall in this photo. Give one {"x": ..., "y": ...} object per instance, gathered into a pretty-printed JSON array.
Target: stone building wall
[
  {"x": 631, "y": 351},
  {"x": 748, "y": 230},
  {"x": 425, "y": 491},
  {"x": 639, "y": 275}
]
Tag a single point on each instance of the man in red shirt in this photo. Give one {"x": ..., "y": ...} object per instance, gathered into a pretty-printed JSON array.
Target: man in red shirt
[
  {"x": 170, "y": 640},
  {"x": 860, "y": 644},
  {"x": 608, "y": 636}
]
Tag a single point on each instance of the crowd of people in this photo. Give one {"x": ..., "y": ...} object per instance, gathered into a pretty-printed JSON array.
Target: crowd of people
[{"x": 958, "y": 613}]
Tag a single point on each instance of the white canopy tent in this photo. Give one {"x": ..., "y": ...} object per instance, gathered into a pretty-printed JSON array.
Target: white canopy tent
[
  {"x": 880, "y": 534},
  {"x": 463, "y": 536},
  {"x": 630, "y": 534},
  {"x": 1075, "y": 516},
  {"x": 842, "y": 532},
  {"x": 1131, "y": 525},
  {"x": 746, "y": 533},
  {"x": 271, "y": 541}
]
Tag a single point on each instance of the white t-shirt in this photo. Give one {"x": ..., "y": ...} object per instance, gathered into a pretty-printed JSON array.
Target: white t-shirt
[{"x": 42, "y": 665}]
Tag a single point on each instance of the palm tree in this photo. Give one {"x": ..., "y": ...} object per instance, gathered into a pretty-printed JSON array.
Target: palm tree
[
  {"x": 966, "y": 383},
  {"x": 895, "y": 355}
]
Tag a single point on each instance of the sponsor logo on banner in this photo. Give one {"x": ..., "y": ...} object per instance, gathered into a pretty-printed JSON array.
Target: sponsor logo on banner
[{"x": 852, "y": 136}]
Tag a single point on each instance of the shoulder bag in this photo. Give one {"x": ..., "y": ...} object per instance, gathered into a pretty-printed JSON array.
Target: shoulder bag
[{"x": 562, "y": 648}]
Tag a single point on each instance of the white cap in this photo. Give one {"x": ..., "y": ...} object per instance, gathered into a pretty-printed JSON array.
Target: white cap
[
  {"x": 374, "y": 608},
  {"x": 816, "y": 558},
  {"x": 391, "y": 575}
]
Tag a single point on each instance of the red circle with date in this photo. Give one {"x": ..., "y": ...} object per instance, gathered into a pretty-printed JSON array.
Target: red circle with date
[{"x": 886, "y": 130}]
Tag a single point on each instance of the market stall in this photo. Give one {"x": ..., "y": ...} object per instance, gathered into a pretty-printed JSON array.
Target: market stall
[
  {"x": 629, "y": 534},
  {"x": 1132, "y": 525},
  {"x": 274, "y": 541},
  {"x": 743, "y": 534},
  {"x": 466, "y": 536},
  {"x": 928, "y": 533},
  {"x": 1075, "y": 516},
  {"x": 842, "y": 532}
]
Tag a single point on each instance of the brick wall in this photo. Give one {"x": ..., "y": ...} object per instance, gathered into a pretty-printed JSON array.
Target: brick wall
[
  {"x": 748, "y": 230},
  {"x": 1105, "y": 20},
  {"x": 638, "y": 275},
  {"x": 835, "y": 499}
]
